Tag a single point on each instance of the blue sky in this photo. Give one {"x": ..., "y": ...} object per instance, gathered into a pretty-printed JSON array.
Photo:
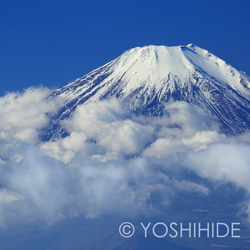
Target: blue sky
[{"x": 52, "y": 42}]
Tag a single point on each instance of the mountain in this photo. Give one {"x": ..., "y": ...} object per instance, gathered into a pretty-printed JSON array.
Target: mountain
[{"x": 145, "y": 78}]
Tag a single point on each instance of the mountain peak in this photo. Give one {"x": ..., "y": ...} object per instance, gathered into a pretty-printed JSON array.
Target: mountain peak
[
  {"x": 144, "y": 78},
  {"x": 149, "y": 65},
  {"x": 161, "y": 60},
  {"x": 155, "y": 64}
]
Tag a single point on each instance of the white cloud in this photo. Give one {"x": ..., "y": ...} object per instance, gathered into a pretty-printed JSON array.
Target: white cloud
[
  {"x": 23, "y": 114},
  {"x": 163, "y": 147},
  {"x": 110, "y": 126},
  {"x": 111, "y": 161},
  {"x": 222, "y": 162},
  {"x": 65, "y": 149},
  {"x": 189, "y": 118}
]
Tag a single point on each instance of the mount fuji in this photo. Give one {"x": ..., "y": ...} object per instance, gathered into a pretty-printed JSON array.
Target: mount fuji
[
  {"x": 136, "y": 140},
  {"x": 146, "y": 78}
]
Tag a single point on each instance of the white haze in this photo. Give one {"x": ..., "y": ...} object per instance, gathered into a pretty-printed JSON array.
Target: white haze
[{"x": 111, "y": 160}]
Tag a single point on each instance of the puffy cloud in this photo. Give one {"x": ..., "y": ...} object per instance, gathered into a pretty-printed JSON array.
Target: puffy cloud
[
  {"x": 201, "y": 139},
  {"x": 110, "y": 127},
  {"x": 93, "y": 116},
  {"x": 36, "y": 188},
  {"x": 163, "y": 147},
  {"x": 23, "y": 114},
  {"x": 222, "y": 162},
  {"x": 188, "y": 118},
  {"x": 110, "y": 161},
  {"x": 66, "y": 148},
  {"x": 185, "y": 127}
]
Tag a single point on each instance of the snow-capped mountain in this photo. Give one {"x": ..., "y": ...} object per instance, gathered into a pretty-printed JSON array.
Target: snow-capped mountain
[{"x": 145, "y": 78}]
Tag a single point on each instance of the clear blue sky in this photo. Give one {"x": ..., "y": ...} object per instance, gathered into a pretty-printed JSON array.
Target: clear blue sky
[{"x": 52, "y": 42}]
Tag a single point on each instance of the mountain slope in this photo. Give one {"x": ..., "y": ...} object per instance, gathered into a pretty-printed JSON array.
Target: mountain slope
[{"x": 145, "y": 78}]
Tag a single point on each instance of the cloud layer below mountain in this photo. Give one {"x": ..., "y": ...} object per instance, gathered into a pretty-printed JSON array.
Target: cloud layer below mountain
[{"x": 111, "y": 161}]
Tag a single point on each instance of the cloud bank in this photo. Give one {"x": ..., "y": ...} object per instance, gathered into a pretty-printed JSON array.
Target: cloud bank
[{"x": 111, "y": 161}]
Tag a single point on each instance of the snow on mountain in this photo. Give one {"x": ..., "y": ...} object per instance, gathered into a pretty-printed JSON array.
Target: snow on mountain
[{"x": 145, "y": 78}]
